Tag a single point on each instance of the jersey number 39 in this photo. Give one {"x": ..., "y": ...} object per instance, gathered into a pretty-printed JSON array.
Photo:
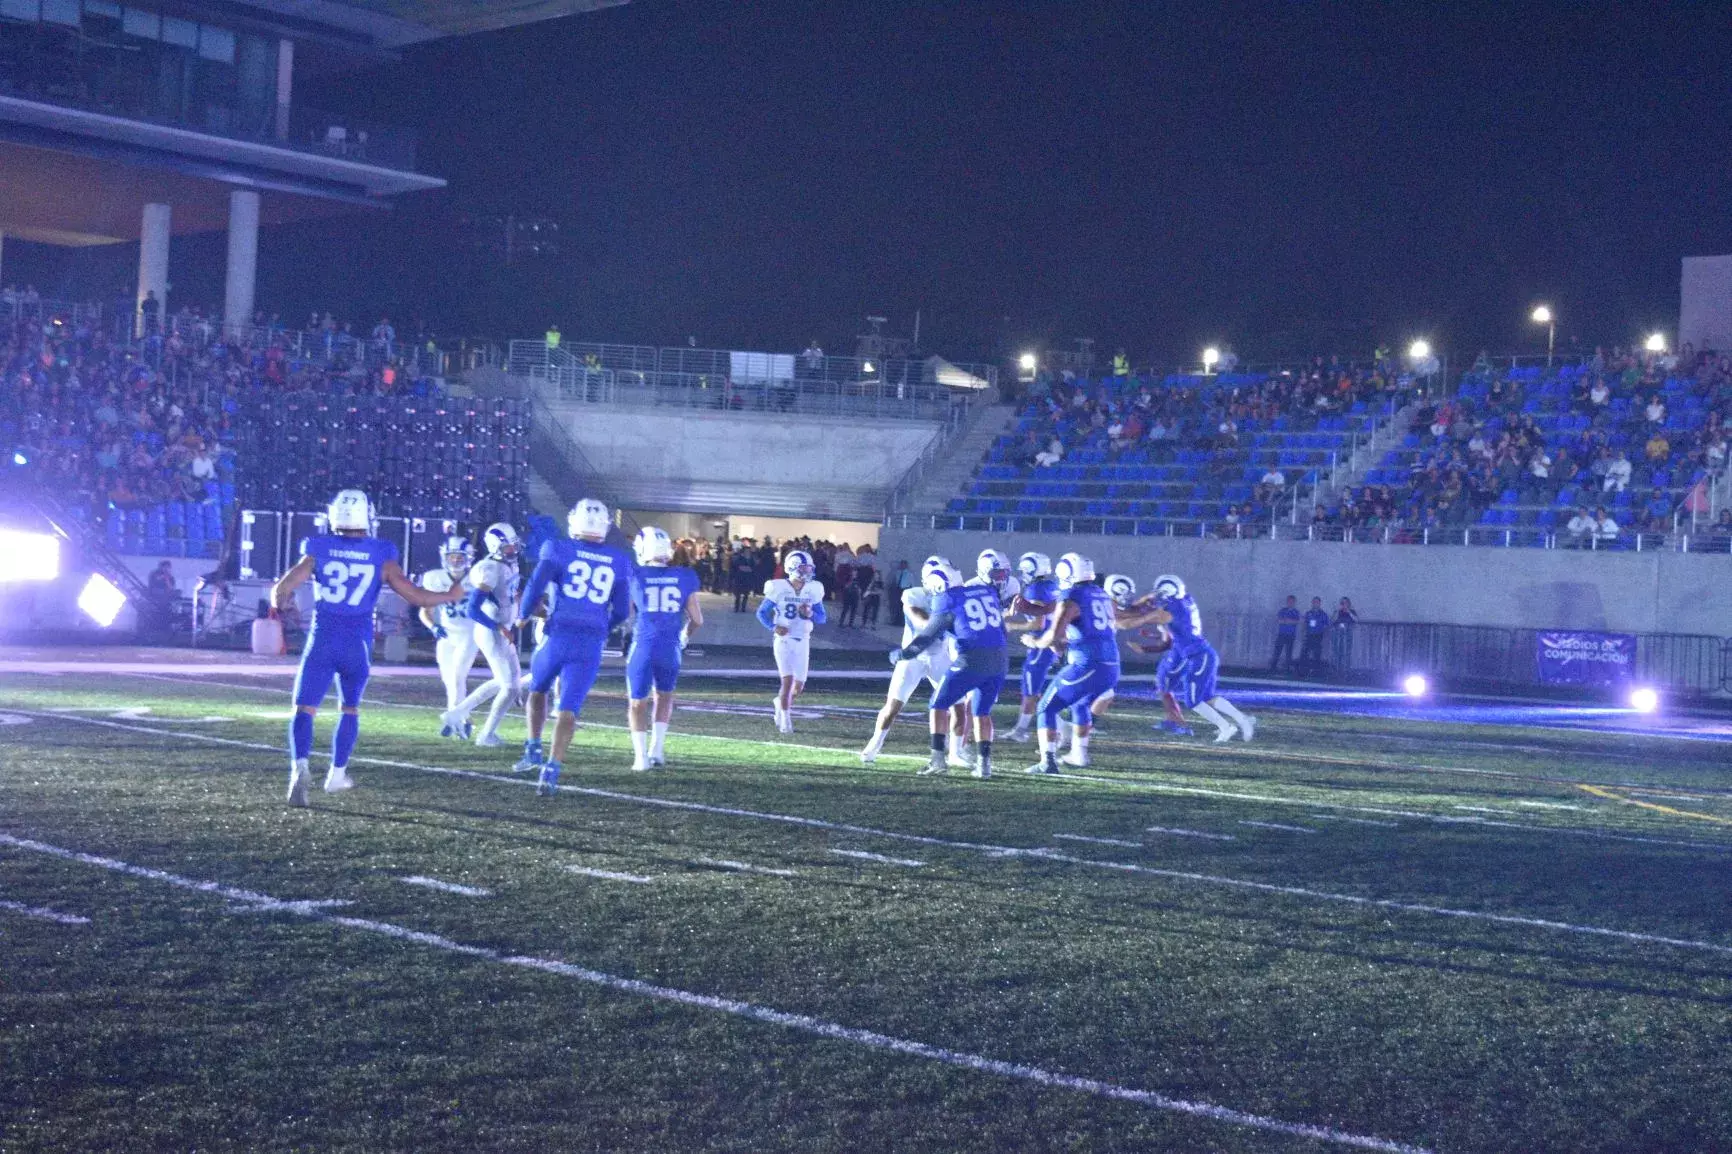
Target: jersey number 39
[{"x": 594, "y": 582}]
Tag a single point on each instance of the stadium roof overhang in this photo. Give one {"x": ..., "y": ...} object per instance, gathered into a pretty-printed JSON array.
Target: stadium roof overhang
[{"x": 394, "y": 23}]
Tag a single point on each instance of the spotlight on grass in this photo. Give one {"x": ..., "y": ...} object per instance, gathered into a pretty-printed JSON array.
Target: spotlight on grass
[
  {"x": 1644, "y": 700},
  {"x": 1415, "y": 685}
]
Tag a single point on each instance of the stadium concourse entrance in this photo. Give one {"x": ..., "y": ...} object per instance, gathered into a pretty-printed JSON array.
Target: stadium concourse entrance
[{"x": 709, "y": 526}]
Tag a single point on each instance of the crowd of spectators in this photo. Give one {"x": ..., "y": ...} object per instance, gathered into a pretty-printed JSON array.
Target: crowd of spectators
[{"x": 740, "y": 566}]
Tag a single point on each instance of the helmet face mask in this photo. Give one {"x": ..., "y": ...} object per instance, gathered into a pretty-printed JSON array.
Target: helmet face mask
[
  {"x": 350, "y": 511},
  {"x": 1033, "y": 566},
  {"x": 455, "y": 556},
  {"x": 588, "y": 519},
  {"x": 502, "y": 541},
  {"x": 653, "y": 546},
  {"x": 993, "y": 566},
  {"x": 1121, "y": 589},
  {"x": 1168, "y": 586},
  {"x": 798, "y": 565},
  {"x": 1073, "y": 569}
]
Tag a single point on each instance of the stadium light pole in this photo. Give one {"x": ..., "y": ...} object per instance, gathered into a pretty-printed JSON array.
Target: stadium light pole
[
  {"x": 1543, "y": 316},
  {"x": 1027, "y": 363},
  {"x": 1656, "y": 343},
  {"x": 1211, "y": 358}
]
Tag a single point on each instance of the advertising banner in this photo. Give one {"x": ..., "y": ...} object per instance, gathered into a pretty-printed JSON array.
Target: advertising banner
[{"x": 1570, "y": 658}]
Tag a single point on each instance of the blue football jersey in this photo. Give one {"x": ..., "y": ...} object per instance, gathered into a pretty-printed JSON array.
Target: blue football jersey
[
  {"x": 1043, "y": 590},
  {"x": 348, "y": 573},
  {"x": 1091, "y": 637},
  {"x": 659, "y": 594},
  {"x": 977, "y": 619},
  {"x": 587, "y": 582},
  {"x": 1186, "y": 626}
]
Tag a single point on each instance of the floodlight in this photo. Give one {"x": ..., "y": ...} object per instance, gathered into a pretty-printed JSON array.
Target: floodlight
[
  {"x": 1027, "y": 362},
  {"x": 1419, "y": 350},
  {"x": 19, "y": 459},
  {"x": 1415, "y": 685},
  {"x": 101, "y": 600},
  {"x": 1643, "y": 699},
  {"x": 1211, "y": 358},
  {"x": 1542, "y": 315},
  {"x": 1656, "y": 343},
  {"x": 866, "y": 366},
  {"x": 28, "y": 556}
]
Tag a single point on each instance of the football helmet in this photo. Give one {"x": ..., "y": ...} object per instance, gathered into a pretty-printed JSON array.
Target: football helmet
[
  {"x": 1168, "y": 587},
  {"x": 797, "y": 565},
  {"x": 350, "y": 510},
  {"x": 937, "y": 575},
  {"x": 1121, "y": 589},
  {"x": 653, "y": 546},
  {"x": 456, "y": 555},
  {"x": 588, "y": 518},
  {"x": 993, "y": 566},
  {"x": 1034, "y": 565},
  {"x": 502, "y": 541},
  {"x": 1073, "y": 569}
]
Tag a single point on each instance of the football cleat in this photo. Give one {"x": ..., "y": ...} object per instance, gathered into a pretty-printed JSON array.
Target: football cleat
[
  {"x": 453, "y": 721},
  {"x": 1043, "y": 766},
  {"x": 867, "y": 757},
  {"x": 300, "y": 778},
  {"x": 489, "y": 740},
  {"x": 467, "y": 730},
  {"x": 1019, "y": 734},
  {"x": 548, "y": 784},
  {"x": 640, "y": 765},
  {"x": 337, "y": 780},
  {"x": 445, "y": 731},
  {"x": 1224, "y": 734},
  {"x": 657, "y": 761},
  {"x": 935, "y": 765},
  {"x": 982, "y": 771},
  {"x": 1175, "y": 729},
  {"x": 531, "y": 759},
  {"x": 1248, "y": 727},
  {"x": 1074, "y": 760}
]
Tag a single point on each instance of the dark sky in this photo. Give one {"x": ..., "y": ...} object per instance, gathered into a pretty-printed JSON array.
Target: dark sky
[{"x": 1286, "y": 177}]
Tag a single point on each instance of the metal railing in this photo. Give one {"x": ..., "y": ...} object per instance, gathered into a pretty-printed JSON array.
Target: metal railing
[
  {"x": 446, "y": 356},
  {"x": 16, "y": 306},
  {"x": 903, "y": 491}
]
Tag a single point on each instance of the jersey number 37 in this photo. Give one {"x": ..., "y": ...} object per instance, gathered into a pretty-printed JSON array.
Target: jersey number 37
[
  {"x": 584, "y": 580},
  {"x": 343, "y": 582}
]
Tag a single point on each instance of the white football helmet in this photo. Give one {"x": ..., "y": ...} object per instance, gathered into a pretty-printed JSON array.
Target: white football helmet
[
  {"x": 1121, "y": 589},
  {"x": 797, "y": 565},
  {"x": 1073, "y": 569},
  {"x": 1034, "y": 565},
  {"x": 992, "y": 566},
  {"x": 653, "y": 546},
  {"x": 350, "y": 510},
  {"x": 937, "y": 575},
  {"x": 588, "y": 518},
  {"x": 1168, "y": 587},
  {"x": 502, "y": 541},
  {"x": 456, "y": 555}
]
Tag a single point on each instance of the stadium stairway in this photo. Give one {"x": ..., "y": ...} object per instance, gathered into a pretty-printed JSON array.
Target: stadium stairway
[
  {"x": 949, "y": 472},
  {"x": 1366, "y": 455}
]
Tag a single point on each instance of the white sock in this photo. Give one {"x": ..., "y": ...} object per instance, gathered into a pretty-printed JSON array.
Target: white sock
[
  {"x": 660, "y": 739},
  {"x": 1079, "y": 746},
  {"x": 1065, "y": 729},
  {"x": 956, "y": 743},
  {"x": 639, "y": 744},
  {"x": 299, "y": 765},
  {"x": 1044, "y": 742},
  {"x": 1229, "y": 709},
  {"x": 501, "y": 704},
  {"x": 877, "y": 742},
  {"x": 1207, "y": 713}
]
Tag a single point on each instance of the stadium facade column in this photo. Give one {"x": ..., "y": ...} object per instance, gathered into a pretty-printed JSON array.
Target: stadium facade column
[
  {"x": 152, "y": 261},
  {"x": 285, "y": 85},
  {"x": 243, "y": 265}
]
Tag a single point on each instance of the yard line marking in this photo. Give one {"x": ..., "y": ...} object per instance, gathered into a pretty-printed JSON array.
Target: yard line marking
[
  {"x": 1131, "y": 783},
  {"x": 1656, "y": 806},
  {"x": 1098, "y": 840},
  {"x": 609, "y": 875},
  {"x": 1191, "y": 833},
  {"x": 446, "y": 887},
  {"x": 868, "y": 855},
  {"x": 1355, "y": 820},
  {"x": 1279, "y": 826},
  {"x": 743, "y": 867},
  {"x": 290, "y": 907},
  {"x": 802, "y": 1022},
  {"x": 1479, "y": 809},
  {"x": 1555, "y": 805},
  {"x": 987, "y": 848},
  {"x": 43, "y": 914}
]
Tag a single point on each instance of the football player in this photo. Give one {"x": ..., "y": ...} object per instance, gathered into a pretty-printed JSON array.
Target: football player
[
  {"x": 666, "y": 600},
  {"x": 1188, "y": 670},
  {"x": 492, "y": 613},
  {"x": 1034, "y": 609},
  {"x": 348, "y": 566},
  {"x": 793, "y": 604},
  {"x": 588, "y": 581},
  {"x": 1145, "y": 627},
  {"x": 454, "y": 648},
  {"x": 1084, "y": 623},
  {"x": 972, "y": 614},
  {"x": 931, "y": 665}
]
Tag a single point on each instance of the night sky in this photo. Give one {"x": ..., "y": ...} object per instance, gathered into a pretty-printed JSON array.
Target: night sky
[{"x": 1284, "y": 177}]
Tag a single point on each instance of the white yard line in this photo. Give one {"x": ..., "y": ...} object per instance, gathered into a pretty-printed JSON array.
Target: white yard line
[
  {"x": 1555, "y": 805},
  {"x": 1279, "y": 826},
  {"x": 446, "y": 887},
  {"x": 750, "y": 1010},
  {"x": 1098, "y": 840},
  {"x": 743, "y": 867},
  {"x": 1355, "y": 820},
  {"x": 43, "y": 915},
  {"x": 867, "y": 855},
  {"x": 609, "y": 875},
  {"x": 1479, "y": 809},
  {"x": 987, "y": 848},
  {"x": 1170, "y": 831}
]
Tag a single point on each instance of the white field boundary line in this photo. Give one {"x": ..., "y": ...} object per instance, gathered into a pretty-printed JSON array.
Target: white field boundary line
[
  {"x": 446, "y": 887},
  {"x": 742, "y": 1009},
  {"x": 743, "y": 867},
  {"x": 868, "y": 855},
  {"x": 1172, "y": 831},
  {"x": 609, "y": 875},
  {"x": 42, "y": 914},
  {"x": 1279, "y": 826},
  {"x": 1355, "y": 820},
  {"x": 1098, "y": 840},
  {"x": 997, "y": 851},
  {"x": 1133, "y": 783}
]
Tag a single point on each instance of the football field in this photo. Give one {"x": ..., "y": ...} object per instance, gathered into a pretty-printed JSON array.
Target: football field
[{"x": 1357, "y": 932}]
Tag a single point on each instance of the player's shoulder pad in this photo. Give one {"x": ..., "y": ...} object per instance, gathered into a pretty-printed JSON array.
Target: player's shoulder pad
[
  {"x": 816, "y": 589},
  {"x": 436, "y": 580},
  {"x": 773, "y": 586}
]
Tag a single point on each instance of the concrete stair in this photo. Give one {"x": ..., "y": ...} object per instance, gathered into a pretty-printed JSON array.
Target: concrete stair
[
  {"x": 955, "y": 464},
  {"x": 1366, "y": 456}
]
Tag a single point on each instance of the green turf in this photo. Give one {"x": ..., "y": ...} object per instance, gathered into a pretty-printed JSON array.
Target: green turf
[{"x": 177, "y": 1020}]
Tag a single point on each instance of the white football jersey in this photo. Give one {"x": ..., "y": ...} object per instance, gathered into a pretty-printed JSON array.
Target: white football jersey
[
  {"x": 501, "y": 577},
  {"x": 439, "y": 581},
  {"x": 920, "y": 600},
  {"x": 1008, "y": 594},
  {"x": 787, "y": 600}
]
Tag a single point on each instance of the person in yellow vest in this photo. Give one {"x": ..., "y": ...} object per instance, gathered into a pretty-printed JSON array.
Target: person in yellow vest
[
  {"x": 552, "y": 338},
  {"x": 1121, "y": 364}
]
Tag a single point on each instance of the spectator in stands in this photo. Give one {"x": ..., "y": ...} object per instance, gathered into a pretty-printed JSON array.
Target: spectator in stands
[
  {"x": 150, "y": 312},
  {"x": 1286, "y": 632},
  {"x": 1121, "y": 364},
  {"x": 1617, "y": 473},
  {"x": 1341, "y": 635},
  {"x": 745, "y": 564},
  {"x": 1658, "y": 447},
  {"x": 1316, "y": 628},
  {"x": 1656, "y": 410},
  {"x": 870, "y": 601},
  {"x": 812, "y": 361},
  {"x": 1051, "y": 455},
  {"x": 850, "y": 603},
  {"x": 1581, "y": 529},
  {"x": 901, "y": 581},
  {"x": 1656, "y": 511},
  {"x": 1606, "y": 530}
]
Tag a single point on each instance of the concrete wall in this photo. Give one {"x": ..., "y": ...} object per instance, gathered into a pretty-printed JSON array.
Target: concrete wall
[
  {"x": 1705, "y": 302},
  {"x": 759, "y": 448},
  {"x": 1458, "y": 585}
]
